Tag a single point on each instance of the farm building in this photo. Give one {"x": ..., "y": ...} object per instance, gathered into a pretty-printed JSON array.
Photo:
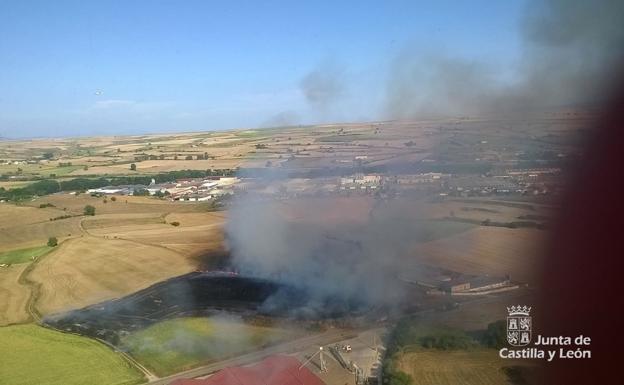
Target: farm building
[
  {"x": 117, "y": 190},
  {"x": 468, "y": 284},
  {"x": 439, "y": 281},
  {"x": 273, "y": 370}
]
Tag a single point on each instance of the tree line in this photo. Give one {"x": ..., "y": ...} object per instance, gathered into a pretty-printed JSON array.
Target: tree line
[
  {"x": 411, "y": 333},
  {"x": 51, "y": 186}
]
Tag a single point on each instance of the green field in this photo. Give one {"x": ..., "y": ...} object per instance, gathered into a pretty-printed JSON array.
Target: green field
[
  {"x": 40, "y": 170},
  {"x": 33, "y": 355},
  {"x": 174, "y": 345},
  {"x": 437, "y": 229},
  {"x": 61, "y": 170},
  {"x": 440, "y": 367},
  {"x": 23, "y": 255}
]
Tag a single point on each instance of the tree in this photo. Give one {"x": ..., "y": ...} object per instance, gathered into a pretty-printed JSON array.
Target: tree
[
  {"x": 89, "y": 210},
  {"x": 400, "y": 378},
  {"x": 140, "y": 192},
  {"x": 133, "y": 167},
  {"x": 52, "y": 241},
  {"x": 496, "y": 335}
]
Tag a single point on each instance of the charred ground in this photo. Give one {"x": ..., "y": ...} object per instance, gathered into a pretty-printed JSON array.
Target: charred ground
[{"x": 201, "y": 294}]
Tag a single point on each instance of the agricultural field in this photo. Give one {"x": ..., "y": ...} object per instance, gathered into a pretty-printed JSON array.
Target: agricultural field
[
  {"x": 182, "y": 343},
  {"x": 441, "y": 367},
  {"x": 14, "y": 295},
  {"x": 33, "y": 355},
  {"x": 479, "y": 210},
  {"x": 133, "y": 242},
  {"x": 14, "y": 184},
  {"x": 487, "y": 250},
  {"x": 23, "y": 255},
  {"x": 476, "y": 317},
  {"x": 88, "y": 270},
  {"x": 363, "y": 210},
  {"x": 128, "y": 245}
]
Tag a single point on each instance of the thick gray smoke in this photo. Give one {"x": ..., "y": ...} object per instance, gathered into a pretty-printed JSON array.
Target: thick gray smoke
[
  {"x": 569, "y": 47},
  {"x": 571, "y": 51},
  {"x": 356, "y": 261},
  {"x": 323, "y": 86},
  {"x": 435, "y": 85}
]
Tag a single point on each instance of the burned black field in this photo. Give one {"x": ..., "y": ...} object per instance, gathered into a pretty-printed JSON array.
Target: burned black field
[{"x": 201, "y": 294}]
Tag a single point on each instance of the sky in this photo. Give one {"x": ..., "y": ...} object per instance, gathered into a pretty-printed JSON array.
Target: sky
[{"x": 75, "y": 68}]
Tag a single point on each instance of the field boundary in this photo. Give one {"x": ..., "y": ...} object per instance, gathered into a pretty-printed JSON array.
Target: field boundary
[{"x": 35, "y": 287}]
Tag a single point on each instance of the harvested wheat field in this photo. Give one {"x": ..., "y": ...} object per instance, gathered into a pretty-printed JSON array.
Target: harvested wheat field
[
  {"x": 192, "y": 234},
  {"x": 439, "y": 367},
  {"x": 74, "y": 204},
  {"x": 487, "y": 250},
  {"x": 13, "y": 295},
  {"x": 88, "y": 270},
  {"x": 37, "y": 234}
]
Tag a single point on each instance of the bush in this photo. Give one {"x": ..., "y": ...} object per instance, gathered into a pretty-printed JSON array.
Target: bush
[
  {"x": 399, "y": 378},
  {"x": 393, "y": 376},
  {"x": 495, "y": 336},
  {"x": 133, "y": 167},
  {"x": 52, "y": 241},
  {"x": 446, "y": 339},
  {"x": 140, "y": 192},
  {"x": 113, "y": 199},
  {"x": 89, "y": 210},
  {"x": 61, "y": 217},
  {"x": 44, "y": 205},
  {"x": 175, "y": 223}
]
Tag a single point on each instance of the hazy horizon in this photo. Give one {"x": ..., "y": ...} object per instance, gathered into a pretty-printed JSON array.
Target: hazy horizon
[
  {"x": 81, "y": 68},
  {"x": 117, "y": 68}
]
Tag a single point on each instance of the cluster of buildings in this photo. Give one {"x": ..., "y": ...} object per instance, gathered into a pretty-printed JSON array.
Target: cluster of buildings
[
  {"x": 438, "y": 281},
  {"x": 534, "y": 181},
  {"x": 361, "y": 182},
  {"x": 188, "y": 189}
]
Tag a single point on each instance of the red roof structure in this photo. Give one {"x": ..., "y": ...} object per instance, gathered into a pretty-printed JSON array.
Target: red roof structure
[{"x": 273, "y": 370}]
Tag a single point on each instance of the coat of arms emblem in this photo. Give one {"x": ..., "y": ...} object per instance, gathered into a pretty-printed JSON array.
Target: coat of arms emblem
[{"x": 519, "y": 325}]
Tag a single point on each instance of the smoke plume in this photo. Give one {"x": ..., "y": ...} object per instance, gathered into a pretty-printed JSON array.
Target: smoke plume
[
  {"x": 569, "y": 47},
  {"x": 323, "y": 86},
  {"x": 570, "y": 52},
  {"x": 354, "y": 261}
]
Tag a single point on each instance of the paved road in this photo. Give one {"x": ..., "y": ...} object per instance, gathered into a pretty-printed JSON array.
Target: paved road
[{"x": 325, "y": 338}]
